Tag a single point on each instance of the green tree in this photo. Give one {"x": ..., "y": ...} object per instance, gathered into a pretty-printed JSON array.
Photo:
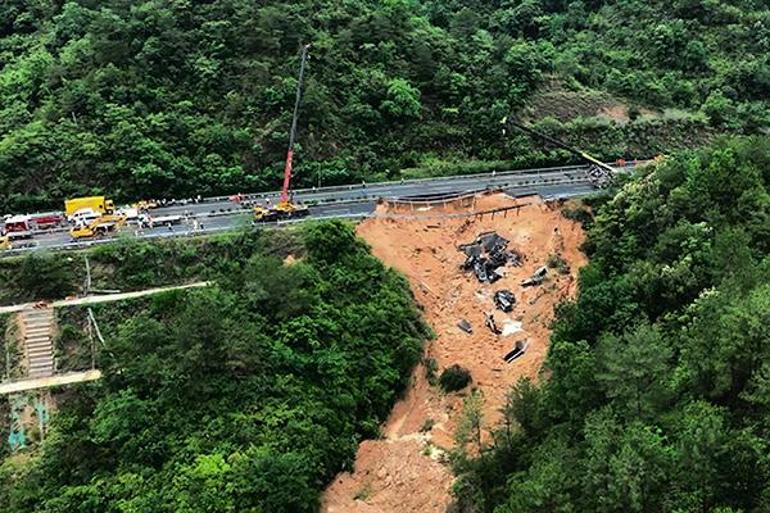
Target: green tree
[
  {"x": 204, "y": 486},
  {"x": 469, "y": 427},
  {"x": 626, "y": 466},
  {"x": 633, "y": 371},
  {"x": 402, "y": 100}
]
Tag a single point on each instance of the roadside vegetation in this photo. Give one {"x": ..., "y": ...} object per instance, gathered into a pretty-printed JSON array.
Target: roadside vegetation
[
  {"x": 152, "y": 98},
  {"x": 249, "y": 395},
  {"x": 133, "y": 264},
  {"x": 658, "y": 375}
]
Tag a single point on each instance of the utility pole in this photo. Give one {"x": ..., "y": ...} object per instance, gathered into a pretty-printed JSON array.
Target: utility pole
[{"x": 88, "y": 276}]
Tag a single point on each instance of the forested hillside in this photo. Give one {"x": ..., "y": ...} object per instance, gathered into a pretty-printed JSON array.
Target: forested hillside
[
  {"x": 247, "y": 396},
  {"x": 176, "y": 97},
  {"x": 657, "y": 397}
]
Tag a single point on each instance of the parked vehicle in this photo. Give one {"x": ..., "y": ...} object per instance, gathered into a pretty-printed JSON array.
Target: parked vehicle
[
  {"x": 153, "y": 222},
  {"x": 131, "y": 214},
  {"x": 47, "y": 221},
  {"x": 84, "y": 216},
  {"x": 98, "y": 227},
  {"x": 17, "y": 227},
  {"x": 145, "y": 205},
  {"x": 99, "y": 204}
]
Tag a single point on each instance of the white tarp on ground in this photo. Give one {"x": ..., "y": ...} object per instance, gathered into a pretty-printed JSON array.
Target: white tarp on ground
[{"x": 510, "y": 327}]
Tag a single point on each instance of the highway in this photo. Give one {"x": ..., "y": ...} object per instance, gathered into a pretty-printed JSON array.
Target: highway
[{"x": 349, "y": 201}]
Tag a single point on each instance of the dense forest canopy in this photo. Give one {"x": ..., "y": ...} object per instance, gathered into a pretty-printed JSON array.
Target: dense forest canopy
[
  {"x": 180, "y": 97},
  {"x": 658, "y": 396},
  {"x": 247, "y": 396}
]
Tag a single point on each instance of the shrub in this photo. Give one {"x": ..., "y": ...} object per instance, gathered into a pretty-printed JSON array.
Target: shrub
[
  {"x": 431, "y": 366},
  {"x": 454, "y": 378},
  {"x": 581, "y": 215},
  {"x": 556, "y": 261}
]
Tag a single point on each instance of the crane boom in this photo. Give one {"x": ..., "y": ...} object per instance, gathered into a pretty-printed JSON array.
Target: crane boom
[
  {"x": 601, "y": 174},
  {"x": 293, "y": 131}
]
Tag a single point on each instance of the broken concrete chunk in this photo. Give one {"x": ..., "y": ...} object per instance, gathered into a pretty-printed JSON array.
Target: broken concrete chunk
[
  {"x": 515, "y": 258},
  {"x": 465, "y": 326},
  {"x": 472, "y": 250},
  {"x": 537, "y": 277},
  {"x": 470, "y": 262},
  {"x": 492, "y": 242},
  {"x": 498, "y": 259}
]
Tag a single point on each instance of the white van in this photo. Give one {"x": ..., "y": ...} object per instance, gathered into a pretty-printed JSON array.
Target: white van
[{"x": 84, "y": 216}]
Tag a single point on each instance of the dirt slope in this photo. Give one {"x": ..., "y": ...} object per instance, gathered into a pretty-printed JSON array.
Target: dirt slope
[{"x": 404, "y": 471}]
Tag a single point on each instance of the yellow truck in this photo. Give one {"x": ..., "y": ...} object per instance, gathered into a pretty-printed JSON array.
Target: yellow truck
[
  {"x": 5, "y": 243},
  {"x": 99, "y": 204},
  {"x": 282, "y": 210},
  {"x": 98, "y": 227}
]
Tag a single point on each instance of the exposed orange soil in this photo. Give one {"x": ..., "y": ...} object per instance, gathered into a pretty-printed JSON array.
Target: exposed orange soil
[
  {"x": 619, "y": 112},
  {"x": 405, "y": 471}
]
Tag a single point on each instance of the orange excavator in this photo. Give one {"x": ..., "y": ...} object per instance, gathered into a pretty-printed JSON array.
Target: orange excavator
[{"x": 286, "y": 208}]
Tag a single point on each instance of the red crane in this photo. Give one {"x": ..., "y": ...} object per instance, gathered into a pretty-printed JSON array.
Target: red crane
[{"x": 293, "y": 132}]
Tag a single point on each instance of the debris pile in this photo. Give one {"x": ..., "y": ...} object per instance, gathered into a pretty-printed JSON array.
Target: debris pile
[
  {"x": 504, "y": 300},
  {"x": 486, "y": 255}
]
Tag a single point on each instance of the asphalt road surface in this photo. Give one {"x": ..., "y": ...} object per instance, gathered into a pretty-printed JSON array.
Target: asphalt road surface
[
  {"x": 349, "y": 201},
  {"x": 407, "y": 188}
]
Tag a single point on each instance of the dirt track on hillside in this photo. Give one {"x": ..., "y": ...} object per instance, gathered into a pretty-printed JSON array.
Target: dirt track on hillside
[{"x": 405, "y": 471}]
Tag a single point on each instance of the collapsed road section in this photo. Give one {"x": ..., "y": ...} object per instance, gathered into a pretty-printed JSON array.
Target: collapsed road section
[{"x": 440, "y": 254}]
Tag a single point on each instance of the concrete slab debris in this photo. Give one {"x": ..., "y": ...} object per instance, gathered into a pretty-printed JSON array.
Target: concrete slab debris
[
  {"x": 537, "y": 277},
  {"x": 518, "y": 350},
  {"x": 465, "y": 326}
]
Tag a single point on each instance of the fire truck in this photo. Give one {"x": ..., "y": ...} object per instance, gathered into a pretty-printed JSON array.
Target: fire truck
[{"x": 17, "y": 227}]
